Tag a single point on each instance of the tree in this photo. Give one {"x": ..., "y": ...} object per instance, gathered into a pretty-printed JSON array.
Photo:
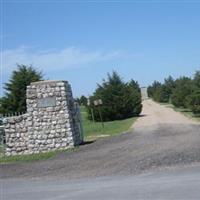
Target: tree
[
  {"x": 184, "y": 92},
  {"x": 169, "y": 85},
  {"x": 154, "y": 90},
  {"x": 83, "y": 100},
  {"x": 136, "y": 97},
  {"x": 162, "y": 92},
  {"x": 15, "y": 97},
  {"x": 120, "y": 100},
  {"x": 197, "y": 79},
  {"x": 193, "y": 100},
  {"x": 135, "y": 85},
  {"x": 184, "y": 88}
]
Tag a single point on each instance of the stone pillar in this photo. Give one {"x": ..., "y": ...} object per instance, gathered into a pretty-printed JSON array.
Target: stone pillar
[
  {"x": 50, "y": 106},
  {"x": 50, "y": 121}
]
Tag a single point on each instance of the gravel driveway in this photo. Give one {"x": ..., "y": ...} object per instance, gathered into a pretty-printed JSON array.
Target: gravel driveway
[{"x": 161, "y": 138}]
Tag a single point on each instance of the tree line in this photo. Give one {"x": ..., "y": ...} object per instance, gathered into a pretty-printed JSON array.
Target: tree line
[
  {"x": 181, "y": 92},
  {"x": 120, "y": 99}
]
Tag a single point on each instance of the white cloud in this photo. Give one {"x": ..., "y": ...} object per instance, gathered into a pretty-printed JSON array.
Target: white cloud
[{"x": 53, "y": 60}]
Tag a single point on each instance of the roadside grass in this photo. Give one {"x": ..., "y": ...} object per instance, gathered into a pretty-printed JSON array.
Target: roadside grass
[
  {"x": 33, "y": 157},
  {"x": 185, "y": 111},
  {"x": 94, "y": 130}
]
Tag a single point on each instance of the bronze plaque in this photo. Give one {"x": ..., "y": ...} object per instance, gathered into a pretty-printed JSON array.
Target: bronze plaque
[{"x": 46, "y": 102}]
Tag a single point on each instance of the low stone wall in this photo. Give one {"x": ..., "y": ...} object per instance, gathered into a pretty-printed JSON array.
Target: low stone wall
[
  {"x": 50, "y": 122},
  {"x": 16, "y": 135}
]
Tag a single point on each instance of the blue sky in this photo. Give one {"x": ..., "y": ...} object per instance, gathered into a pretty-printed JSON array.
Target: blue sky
[{"x": 82, "y": 41}]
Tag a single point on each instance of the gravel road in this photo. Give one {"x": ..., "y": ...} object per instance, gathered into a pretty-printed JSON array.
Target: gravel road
[{"x": 161, "y": 138}]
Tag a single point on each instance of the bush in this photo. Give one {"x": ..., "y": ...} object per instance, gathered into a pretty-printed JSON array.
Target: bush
[{"x": 120, "y": 100}]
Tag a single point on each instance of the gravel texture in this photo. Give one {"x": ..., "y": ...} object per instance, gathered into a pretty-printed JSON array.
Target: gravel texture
[{"x": 161, "y": 138}]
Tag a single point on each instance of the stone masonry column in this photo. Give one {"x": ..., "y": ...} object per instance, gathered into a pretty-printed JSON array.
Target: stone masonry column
[{"x": 50, "y": 108}]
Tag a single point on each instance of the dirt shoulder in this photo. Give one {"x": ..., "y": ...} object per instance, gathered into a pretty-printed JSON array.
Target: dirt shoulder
[{"x": 161, "y": 138}]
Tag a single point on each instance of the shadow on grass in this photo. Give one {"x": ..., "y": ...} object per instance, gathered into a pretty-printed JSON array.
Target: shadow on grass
[{"x": 87, "y": 142}]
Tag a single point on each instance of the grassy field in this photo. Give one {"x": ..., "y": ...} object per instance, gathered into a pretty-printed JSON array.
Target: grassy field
[
  {"x": 184, "y": 111},
  {"x": 95, "y": 130}
]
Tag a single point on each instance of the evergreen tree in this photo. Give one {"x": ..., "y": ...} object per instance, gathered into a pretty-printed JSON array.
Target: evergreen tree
[
  {"x": 184, "y": 88},
  {"x": 15, "y": 97},
  {"x": 155, "y": 90},
  {"x": 135, "y": 85},
  {"x": 136, "y": 97},
  {"x": 120, "y": 100},
  {"x": 184, "y": 92},
  {"x": 193, "y": 100},
  {"x": 162, "y": 92},
  {"x": 169, "y": 85},
  {"x": 197, "y": 79},
  {"x": 82, "y": 101}
]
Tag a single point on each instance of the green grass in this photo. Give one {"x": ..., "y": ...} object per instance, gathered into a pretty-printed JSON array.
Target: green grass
[
  {"x": 94, "y": 130},
  {"x": 32, "y": 157},
  {"x": 185, "y": 111},
  {"x": 91, "y": 130}
]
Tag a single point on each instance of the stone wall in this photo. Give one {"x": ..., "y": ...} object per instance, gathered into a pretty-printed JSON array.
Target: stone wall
[
  {"x": 17, "y": 135},
  {"x": 50, "y": 123}
]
